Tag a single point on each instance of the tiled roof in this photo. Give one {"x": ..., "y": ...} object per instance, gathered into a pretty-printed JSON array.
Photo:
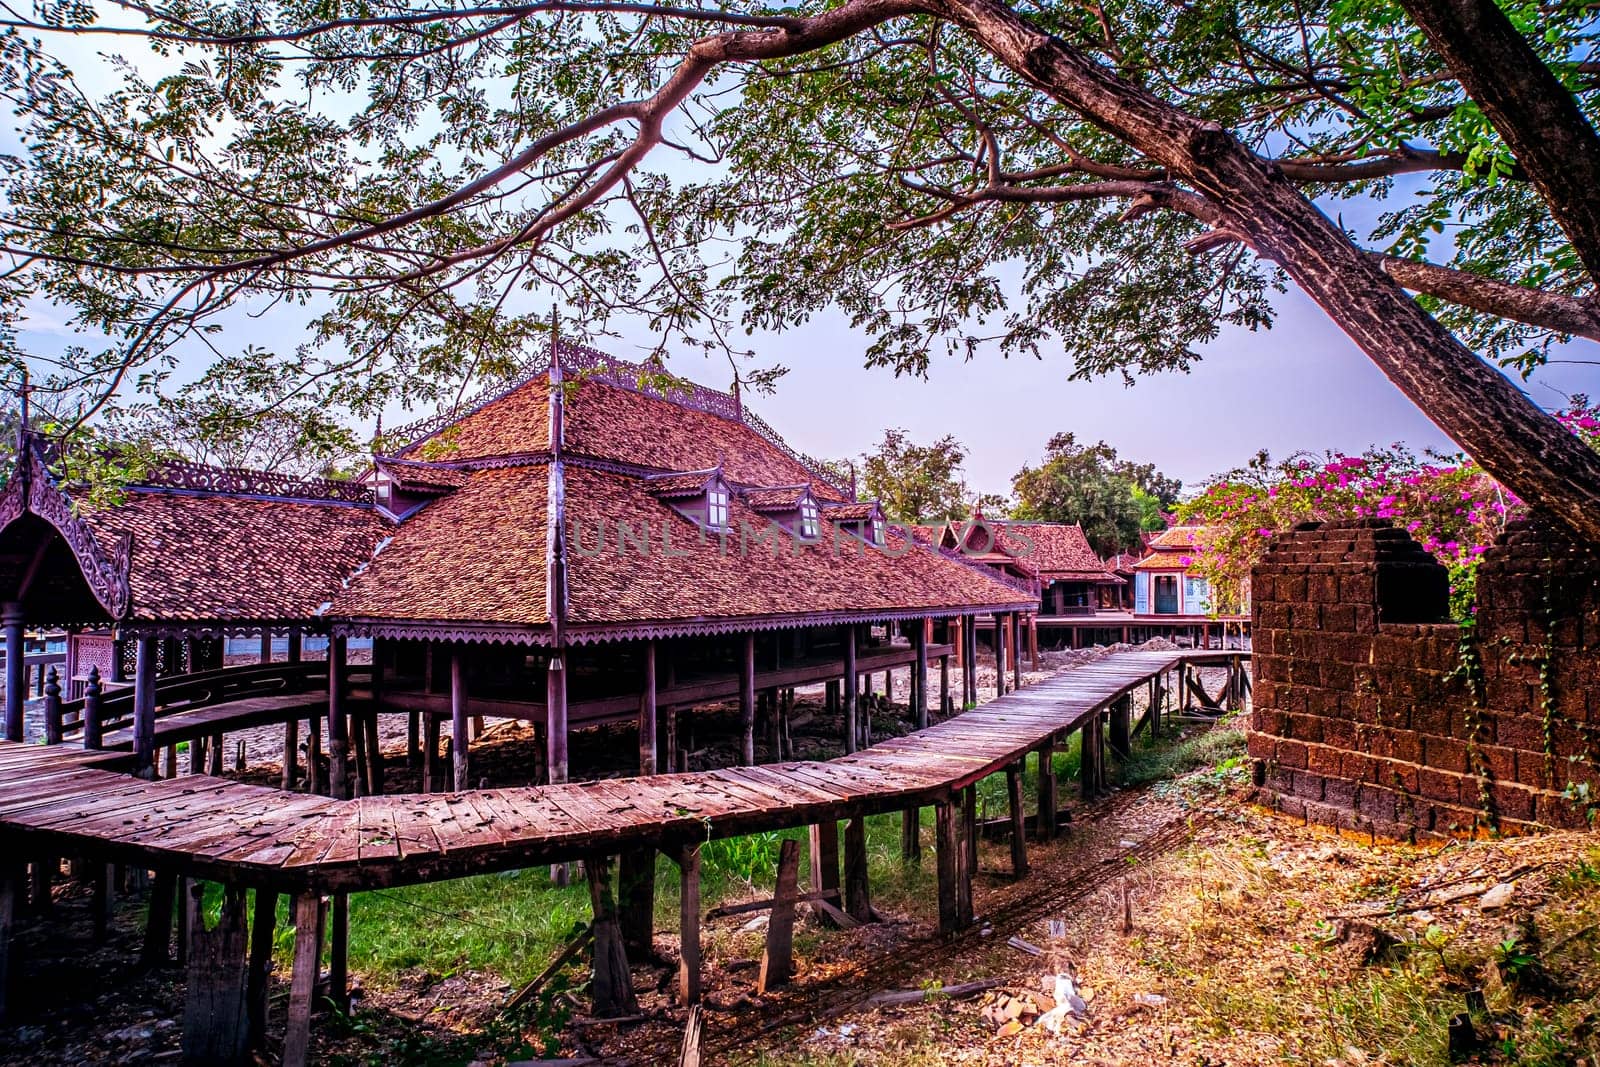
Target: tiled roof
[
  {"x": 851, "y": 512},
  {"x": 667, "y": 485},
  {"x": 224, "y": 557},
  {"x": 476, "y": 555},
  {"x": 1121, "y": 562},
  {"x": 426, "y": 476},
  {"x": 1174, "y": 548},
  {"x": 781, "y": 498},
  {"x": 1178, "y": 537},
  {"x": 1058, "y": 550},
  {"x": 717, "y": 578}
]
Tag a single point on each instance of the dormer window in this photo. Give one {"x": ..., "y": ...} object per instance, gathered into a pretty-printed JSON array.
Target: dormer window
[
  {"x": 810, "y": 520},
  {"x": 877, "y": 532},
  {"x": 717, "y": 506},
  {"x": 383, "y": 491}
]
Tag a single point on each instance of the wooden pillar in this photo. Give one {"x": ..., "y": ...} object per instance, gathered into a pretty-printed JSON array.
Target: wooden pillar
[
  {"x": 555, "y": 731},
  {"x": 1019, "y": 821},
  {"x": 266, "y": 646},
  {"x": 689, "y": 925},
  {"x": 636, "y": 900},
  {"x": 851, "y": 689},
  {"x": 102, "y": 899},
  {"x": 824, "y": 849},
  {"x": 339, "y": 953},
  {"x": 258, "y": 978},
  {"x": 52, "y": 707},
  {"x": 314, "y": 782},
  {"x": 8, "y": 911},
  {"x": 158, "y": 923},
  {"x": 93, "y": 731},
  {"x": 647, "y": 712},
  {"x": 1016, "y": 651},
  {"x": 1049, "y": 799},
  {"x": 294, "y": 644},
  {"x": 972, "y": 659},
  {"x": 291, "y": 752},
  {"x": 777, "y": 957},
  {"x": 747, "y": 701},
  {"x": 432, "y": 772},
  {"x": 338, "y": 722},
  {"x": 1089, "y": 758},
  {"x": 1033, "y": 639},
  {"x": 857, "y": 899},
  {"x": 16, "y": 680},
  {"x": 303, "y": 978},
  {"x": 999, "y": 655},
  {"x": 919, "y": 677},
  {"x": 1121, "y": 727},
  {"x": 369, "y": 721},
  {"x": 955, "y": 895},
  {"x": 216, "y": 1017},
  {"x": 612, "y": 986},
  {"x": 197, "y": 756},
  {"x": 969, "y": 829},
  {"x": 958, "y": 638},
  {"x": 144, "y": 708},
  {"x": 458, "y": 716}
]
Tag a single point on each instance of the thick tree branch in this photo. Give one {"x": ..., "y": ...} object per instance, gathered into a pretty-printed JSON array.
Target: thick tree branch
[
  {"x": 1534, "y": 113},
  {"x": 1573, "y": 315},
  {"x": 1473, "y": 403}
]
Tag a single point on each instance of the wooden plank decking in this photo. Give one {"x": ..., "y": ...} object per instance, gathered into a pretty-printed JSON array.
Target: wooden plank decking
[{"x": 56, "y": 800}]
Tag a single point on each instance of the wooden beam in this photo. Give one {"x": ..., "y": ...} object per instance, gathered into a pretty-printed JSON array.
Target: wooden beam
[
  {"x": 258, "y": 979},
  {"x": 216, "y": 1017},
  {"x": 689, "y": 925},
  {"x": 612, "y": 987},
  {"x": 747, "y": 701},
  {"x": 636, "y": 893},
  {"x": 824, "y": 857},
  {"x": 1019, "y": 831},
  {"x": 303, "y": 978},
  {"x": 857, "y": 896},
  {"x": 647, "y": 713},
  {"x": 338, "y": 723},
  {"x": 459, "y": 740},
  {"x": 851, "y": 689},
  {"x": 555, "y": 723},
  {"x": 777, "y": 957}
]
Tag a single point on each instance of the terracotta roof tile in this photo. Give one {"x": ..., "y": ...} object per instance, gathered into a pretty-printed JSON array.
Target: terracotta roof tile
[
  {"x": 476, "y": 555},
  {"x": 717, "y": 578},
  {"x": 668, "y": 485},
  {"x": 850, "y": 512},
  {"x": 1056, "y": 550},
  {"x": 779, "y": 498},
  {"x": 227, "y": 557}
]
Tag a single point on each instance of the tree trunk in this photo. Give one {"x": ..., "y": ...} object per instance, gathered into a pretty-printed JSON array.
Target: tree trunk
[
  {"x": 1531, "y": 110},
  {"x": 1478, "y": 407}
]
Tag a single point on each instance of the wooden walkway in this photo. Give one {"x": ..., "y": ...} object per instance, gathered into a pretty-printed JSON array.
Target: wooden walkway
[
  {"x": 62, "y": 800},
  {"x": 59, "y": 800}
]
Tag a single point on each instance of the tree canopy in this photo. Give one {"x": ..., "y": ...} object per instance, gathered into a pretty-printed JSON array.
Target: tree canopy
[
  {"x": 1113, "y": 499},
  {"x": 1113, "y": 182},
  {"x": 916, "y": 482}
]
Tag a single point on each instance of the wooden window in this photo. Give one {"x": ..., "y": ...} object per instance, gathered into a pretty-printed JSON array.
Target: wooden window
[
  {"x": 810, "y": 520},
  {"x": 877, "y": 532},
  {"x": 717, "y": 507}
]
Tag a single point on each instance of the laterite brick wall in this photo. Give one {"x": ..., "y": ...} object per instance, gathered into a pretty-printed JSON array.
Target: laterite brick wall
[{"x": 1374, "y": 714}]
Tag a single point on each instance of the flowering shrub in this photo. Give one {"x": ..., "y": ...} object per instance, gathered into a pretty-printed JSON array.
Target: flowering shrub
[{"x": 1447, "y": 503}]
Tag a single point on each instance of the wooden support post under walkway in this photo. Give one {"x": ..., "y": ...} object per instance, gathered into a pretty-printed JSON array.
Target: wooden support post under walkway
[
  {"x": 158, "y": 922},
  {"x": 258, "y": 978},
  {"x": 824, "y": 853},
  {"x": 688, "y": 858},
  {"x": 1121, "y": 727},
  {"x": 777, "y": 957},
  {"x": 857, "y": 897},
  {"x": 9, "y": 884},
  {"x": 636, "y": 900},
  {"x": 1049, "y": 798},
  {"x": 339, "y": 952},
  {"x": 1019, "y": 821},
  {"x": 303, "y": 978},
  {"x": 612, "y": 987},
  {"x": 216, "y": 1015},
  {"x": 459, "y": 741}
]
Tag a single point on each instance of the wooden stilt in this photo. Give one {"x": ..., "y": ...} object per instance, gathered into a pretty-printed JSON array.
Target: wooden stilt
[
  {"x": 951, "y": 856},
  {"x": 1019, "y": 821},
  {"x": 339, "y": 953},
  {"x": 374, "y": 754},
  {"x": 999, "y": 655},
  {"x": 612, "y": 987},
  {"x": 104, "y": 896},
  {"x": 315, "y": 780},
  {"x": 1015, "y": 629},
  {"x": 636, "y": 892},
  {"x": 1121, "y": 727},
  {"x": 413, "y": 740},
  {"x": 1089, "y": 755},
  {"x": 338, "y": 723},
  {"x": 919, "y": 677},
  {"x": 216, "y": 1019},
  {"x": 945, "y": 708},
  {"x": 689, "y": 925},
  {"x": 747, "y": 702},
  {"x": 556, "y": 716},
  {"x": 824, "y": 856},
  {"x": 291, "y": 753},
  {"x": 303, "y": 978},
  {"x": 171, "y": 762},
  {"x": 850, "y": 687},
  {"x": 1049, "y": 800},
  {"x": 647, "y": 712},
  {"x": 158, "y": 924},
  {"x": 44, "y": 879},
  {"x": 258, "y": 980},
  {"x": 432, "y": 776},
  {"x": 968, "y": 855},
  {"x": 670, "y": 745},
  {"x": 181, "y": 892},
  {"x": 777, "y": 958},
  {"x": 911, "y": 835},
  {"x": 459, "y": 740},
  {"x": 358, "y": 744},
  {"x": 857, "y": 898}
]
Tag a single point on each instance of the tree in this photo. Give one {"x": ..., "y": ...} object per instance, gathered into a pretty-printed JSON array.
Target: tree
[
  {"x": 916, "y": 482},
  {"x": 1149, "y": 167},
  {"x": 1112, "y": 499}
]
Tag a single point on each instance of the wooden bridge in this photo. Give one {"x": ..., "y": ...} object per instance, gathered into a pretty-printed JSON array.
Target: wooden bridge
[{"x": 64, "y": 800}]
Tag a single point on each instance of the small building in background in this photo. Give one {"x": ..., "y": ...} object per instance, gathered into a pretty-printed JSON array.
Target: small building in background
[{"x": 1166, "y": 583}]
